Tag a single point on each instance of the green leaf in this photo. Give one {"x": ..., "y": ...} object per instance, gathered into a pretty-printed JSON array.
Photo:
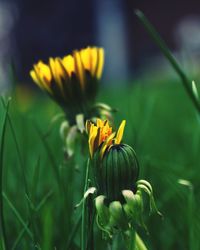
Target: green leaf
[{"x": 166, "y": 52}]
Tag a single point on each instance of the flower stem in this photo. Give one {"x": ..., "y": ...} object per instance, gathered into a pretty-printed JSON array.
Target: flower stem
[
  {"x": 133, "y": 240},
  {"x": 139, "y": 243},
  {"x": 84, "y": 212},
  {"x": 73, "y": 232},
  {"x": 91, "y": 218},
  {"x": 166, "y": 52}
]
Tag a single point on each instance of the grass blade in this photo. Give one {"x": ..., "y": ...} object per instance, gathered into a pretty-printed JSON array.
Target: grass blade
[
  {"x": 22, "y": 165},
  {"x": 2, "y": 142},
  {"x": 52, "y": 160},
  {"x": 35, "y": 179},
  {"x": 166, "y": 52},
  {"x": 44, "y": 200},
  {"x": 18, "y": 216},
  {"x": 73, "y": 232},
  {"x": 40, "y": 205},
  {"x": 84, "y": 212}
]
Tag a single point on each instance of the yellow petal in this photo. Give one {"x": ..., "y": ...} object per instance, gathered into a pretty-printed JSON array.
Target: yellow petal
[
  {"x": 44, "y": 76},
  {"x": 79, "y": 68},
  {"x": 97, "y": 140},
  {"x": 35, "y": 78},
  {"x": 68, "y": 62},
  {"x": 58, "y": 72},
  {"x": 94, "y": 60},
  {"x": 100, "y": 63},
  {"x": 52, "y": 66},
  {"x": 92, "y": 136},
  {"x": 100, "y": 123},
  {"x": 88, "y": 125},
  {"x": 86, "y": 58},
  {"x": 44, "y": 71},
  {"x": 106, "y": 144},
  {"x": 120, "y": 132}
]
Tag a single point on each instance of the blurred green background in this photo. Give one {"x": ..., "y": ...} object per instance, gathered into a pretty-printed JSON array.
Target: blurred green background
[
  {"x": 40, "y": 188},
  {"x": 163, "y": 128}
]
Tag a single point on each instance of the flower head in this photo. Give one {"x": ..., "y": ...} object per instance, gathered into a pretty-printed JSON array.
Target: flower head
[
  {"x": 115, "y": 169},
  {"x": 71, "y": 81},
  {"x": 101, "y": 134},
  {"x": 115, "y": 165}
]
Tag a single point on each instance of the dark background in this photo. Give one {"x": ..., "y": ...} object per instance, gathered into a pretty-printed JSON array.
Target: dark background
[{"x": 44, "y": 28}]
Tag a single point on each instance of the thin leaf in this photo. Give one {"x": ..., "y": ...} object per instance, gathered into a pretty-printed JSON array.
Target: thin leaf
[
  {"x": 18, "y": 216},
  {"x": 52, "y": 160},
  {"x": 2, "y": 143},
  {"x": 84, "y": 220},
  {"x": 40, "y": 205},
  {"x": 166, "y": 52}
]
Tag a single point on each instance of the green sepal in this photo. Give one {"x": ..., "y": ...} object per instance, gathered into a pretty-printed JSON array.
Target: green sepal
[
  {"x": 103, "y": 106},
  {"x": 80, "y": 122},
  {"x": 90, "y": 190},
  {"x": 117, "y": 216},
  {"x": 102, "y": 210},
  {"x": 146, "y": 187},
  {"x": 134, "y": 207}
]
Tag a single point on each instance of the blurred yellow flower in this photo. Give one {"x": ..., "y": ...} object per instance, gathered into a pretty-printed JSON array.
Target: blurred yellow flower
[
  {"x": 102, "y": 137},
  {"x": 71, "y": 81}
]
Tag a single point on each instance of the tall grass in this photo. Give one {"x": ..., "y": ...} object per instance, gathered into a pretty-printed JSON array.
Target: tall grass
[{"x": 38, "y": 196}]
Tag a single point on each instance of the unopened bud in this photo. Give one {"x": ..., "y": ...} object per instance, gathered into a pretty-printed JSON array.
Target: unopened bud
[{"x": 117, "y": 171}]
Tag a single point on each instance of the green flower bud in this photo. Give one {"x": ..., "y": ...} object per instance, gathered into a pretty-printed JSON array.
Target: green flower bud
[
  {"x": 117, "y": 215},
  {"x": 116, "y": 171},
  {"x": 102, "y": 210}
]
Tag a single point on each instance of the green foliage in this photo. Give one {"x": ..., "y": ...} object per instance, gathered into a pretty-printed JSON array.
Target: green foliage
[{"x": 41, "y": 188}]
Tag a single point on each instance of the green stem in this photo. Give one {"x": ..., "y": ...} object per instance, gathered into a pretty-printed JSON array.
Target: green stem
[
  {"x": 84, "y": 220},
  {"x": 139, "y": 243},
  {"x": 166, "y": 52},
  {"x": 133, "y": 240},
  {"x": 73, "y": 233},
  {"x": 91, "y": 218},
  {"x": 18, "y": 216}
]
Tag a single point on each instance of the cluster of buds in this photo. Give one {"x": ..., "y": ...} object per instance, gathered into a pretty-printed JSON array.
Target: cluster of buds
[{"x": 119, "y": 203}]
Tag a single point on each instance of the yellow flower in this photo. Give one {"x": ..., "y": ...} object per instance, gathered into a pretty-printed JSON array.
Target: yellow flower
[
  {"x": 71, "y": 81},
  {"x": 101, "y": 134}
]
